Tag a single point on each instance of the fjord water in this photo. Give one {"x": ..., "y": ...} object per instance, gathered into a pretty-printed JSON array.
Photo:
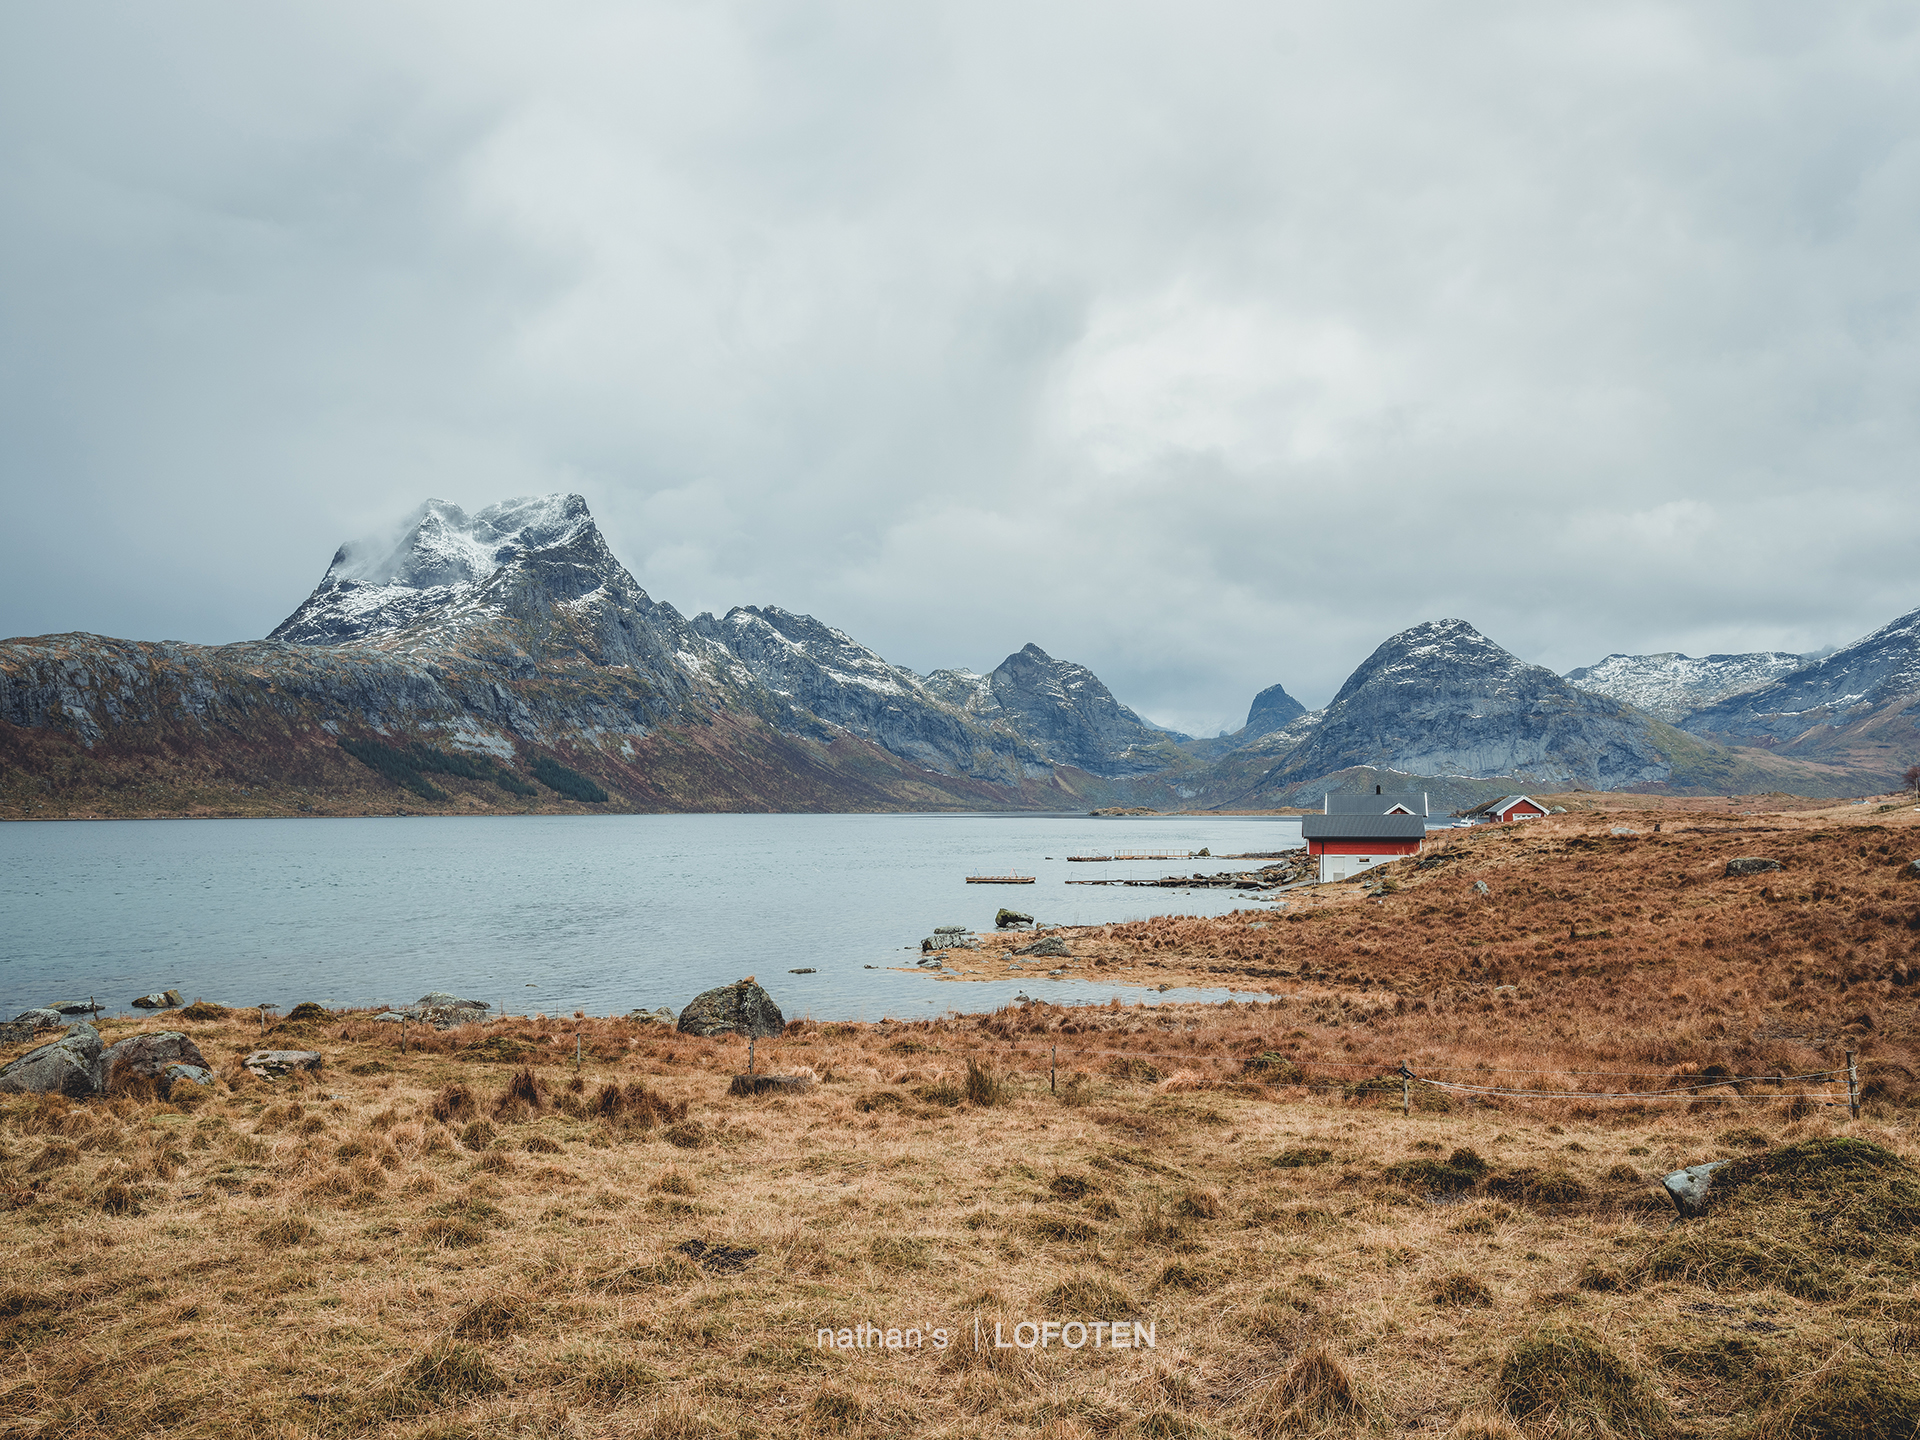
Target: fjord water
[{"x": 557, "y": 913}]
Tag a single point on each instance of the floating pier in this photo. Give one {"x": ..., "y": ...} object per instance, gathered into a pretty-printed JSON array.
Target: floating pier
[{"x": 999, "y": 879}]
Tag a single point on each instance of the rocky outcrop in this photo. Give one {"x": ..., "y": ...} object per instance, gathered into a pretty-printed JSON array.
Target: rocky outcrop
[
  {"x": 69, "y": 1066},
  {"x": 1750, "y": 865},
  {"x": 1669, "y": 686},
  {"x": 159, "y": 1000},
  {"x": 743, "y": 1008},
  {"x": 273, "y": 1064}
]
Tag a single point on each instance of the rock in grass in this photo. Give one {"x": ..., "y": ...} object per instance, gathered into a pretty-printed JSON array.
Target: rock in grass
[
  {"x": 443, "y": 1011},
  {"x": 192, "y": 1074},
  {"x": 68, "y": 1066},
  {"x": 1751, "y": 865},
  {"x": 272, "y": 1064},
  {"x": 43, "y": 1017},
  {"x": 1689, "y": 1188},
  {"x": 158, "y": 1000},
  {"x": 1052, "y": 945},
  {"x": 743, "y": 1008},
  {"x": 148, "y": 1057}
]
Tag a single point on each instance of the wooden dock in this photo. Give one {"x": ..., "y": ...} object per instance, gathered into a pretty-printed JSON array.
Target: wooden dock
[{"x": 999, "y": 879}]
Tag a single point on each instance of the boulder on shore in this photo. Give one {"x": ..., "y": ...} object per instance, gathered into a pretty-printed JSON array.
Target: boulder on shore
[
  {"x": 443, "y": 1011},
  {"x": 68, "y": 1066},
  {"x": 1052, "y": 945},
  {"x": 743, "y": 1008},
  {"x": 149, "y": 1056},
  {"x": 1011, "y": 919},
  {"x": 76, "y": 1007},
  {"x": 159, "y": 1000}
]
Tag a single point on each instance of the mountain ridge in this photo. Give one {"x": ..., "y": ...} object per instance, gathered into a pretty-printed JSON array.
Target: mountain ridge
[{"x": 516, "y": 632}]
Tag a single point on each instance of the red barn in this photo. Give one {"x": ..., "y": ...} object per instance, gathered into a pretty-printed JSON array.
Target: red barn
[{"x": 1349, "y": 844}]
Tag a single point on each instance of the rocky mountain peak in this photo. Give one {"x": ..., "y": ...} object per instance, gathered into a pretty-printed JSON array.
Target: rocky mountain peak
[
  {"x": 1272, "y": 709},
  {"x": 1071, "y": 716},
  {"x": 1440, "y": 698},
  {"x": 439, "y": 557}
]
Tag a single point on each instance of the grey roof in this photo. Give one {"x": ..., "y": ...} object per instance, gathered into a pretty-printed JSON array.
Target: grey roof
[
  {"x": 1363, "y": 827},
  {"x": 1365, "y": 802}
]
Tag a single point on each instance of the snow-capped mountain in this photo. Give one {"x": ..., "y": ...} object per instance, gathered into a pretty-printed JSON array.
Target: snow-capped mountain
[
  {"x": 1443, "y": 699},
  {"x": 1670, "y": 685},
  {"x": 516, "y": 626},
  {"x": 1861, "y": 700},
  {"x": 437, "y": 567},
  {"x": 515, "y": 633},
  {"x": 833, "y": 677}
]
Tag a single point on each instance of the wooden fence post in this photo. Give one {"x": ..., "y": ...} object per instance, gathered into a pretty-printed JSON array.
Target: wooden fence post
[
  {"x": 1406, "y": 1090},
  {"x": 1053, "y": 1068},
  {"x": 1853, "y": 1087},
  {"x": 749, "y": 1052},
  {"x": 403, "y": 1034}
]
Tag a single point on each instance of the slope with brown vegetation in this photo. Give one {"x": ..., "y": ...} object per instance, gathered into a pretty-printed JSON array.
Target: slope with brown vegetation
[
  {"x": 472, "y": 1239},
  {"x": 1534, "y": 943}
]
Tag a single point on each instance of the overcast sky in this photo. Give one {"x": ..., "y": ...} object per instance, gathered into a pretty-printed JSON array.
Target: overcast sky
[{"x": 1205, "y": 344}]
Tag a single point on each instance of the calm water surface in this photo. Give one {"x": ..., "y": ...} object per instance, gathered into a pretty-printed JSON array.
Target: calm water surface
[{"x": 558, "y": 913}]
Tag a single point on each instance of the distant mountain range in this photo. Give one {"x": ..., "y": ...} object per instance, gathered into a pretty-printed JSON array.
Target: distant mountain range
[{"x": 513, "y": 635}]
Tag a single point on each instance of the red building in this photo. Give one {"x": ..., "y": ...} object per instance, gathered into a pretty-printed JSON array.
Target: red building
[
  {"x": 1349, "y": 844},
  {"x": 1506, "y": 808}
]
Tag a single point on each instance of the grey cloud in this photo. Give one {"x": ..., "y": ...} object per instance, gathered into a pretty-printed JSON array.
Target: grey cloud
[{"x": 1205, "y": 347}]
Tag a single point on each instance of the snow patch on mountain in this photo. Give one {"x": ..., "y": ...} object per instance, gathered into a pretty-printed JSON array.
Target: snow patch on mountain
[
  {"x": 1881, "y": 669},
  {"x": 440, "y": 558},
  {"x": 1670, "y": 685}
]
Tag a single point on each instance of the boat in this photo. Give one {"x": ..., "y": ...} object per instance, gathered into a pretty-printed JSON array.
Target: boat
[{"x": 999, "y": 879}]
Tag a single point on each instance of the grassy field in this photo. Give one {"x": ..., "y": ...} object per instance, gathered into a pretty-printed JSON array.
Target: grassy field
[{"x": 475, "y": 1239}]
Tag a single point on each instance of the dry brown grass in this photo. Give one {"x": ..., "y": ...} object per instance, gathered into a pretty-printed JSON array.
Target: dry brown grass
[{"x": 469, "y": 1240}]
